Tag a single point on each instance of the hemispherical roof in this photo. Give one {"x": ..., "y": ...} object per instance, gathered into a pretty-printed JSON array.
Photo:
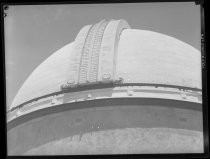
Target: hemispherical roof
[{"x": 112, "y": 48}]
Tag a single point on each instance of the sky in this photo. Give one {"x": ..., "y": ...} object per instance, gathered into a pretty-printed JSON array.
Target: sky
[{"x": 34, "y": 32}]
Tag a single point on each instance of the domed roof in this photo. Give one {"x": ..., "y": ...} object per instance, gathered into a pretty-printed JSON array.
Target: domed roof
[{"x": 110, "y": 49}]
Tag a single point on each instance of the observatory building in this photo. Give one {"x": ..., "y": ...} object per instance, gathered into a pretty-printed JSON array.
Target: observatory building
[{"x": 113, "y": 90}]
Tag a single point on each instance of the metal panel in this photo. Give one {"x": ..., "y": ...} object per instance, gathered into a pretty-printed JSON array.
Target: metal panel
[
  {"x": 85, "y": 58},
  {"x": 109, "y": 45},
  {"x": 77, "y": 53},
  {"x": 96, "y": 52}
]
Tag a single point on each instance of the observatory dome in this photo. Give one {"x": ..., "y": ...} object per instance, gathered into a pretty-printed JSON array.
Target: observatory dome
[
  {"x": 136, "y": 56},
  {"x": 118, "y": 89}
]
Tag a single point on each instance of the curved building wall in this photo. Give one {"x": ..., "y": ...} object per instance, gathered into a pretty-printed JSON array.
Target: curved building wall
[{"x": 110, "y": 130}]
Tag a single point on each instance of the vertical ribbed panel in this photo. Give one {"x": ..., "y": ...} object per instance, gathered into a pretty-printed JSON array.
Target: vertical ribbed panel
[
  {"x": 84, "y": 63},
  {"x": 94, "y": 56},
  {"x": 77, "y": 54},
  {"x": 96, "y": 52},
  {"x": 88, "y": 67}
]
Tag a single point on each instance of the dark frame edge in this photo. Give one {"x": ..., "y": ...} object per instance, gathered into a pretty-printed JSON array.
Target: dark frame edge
[
  {"x": 41, "y": 2},
  {"x": 4, "y": 116},
  {"x": 204, "y": 81}
]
